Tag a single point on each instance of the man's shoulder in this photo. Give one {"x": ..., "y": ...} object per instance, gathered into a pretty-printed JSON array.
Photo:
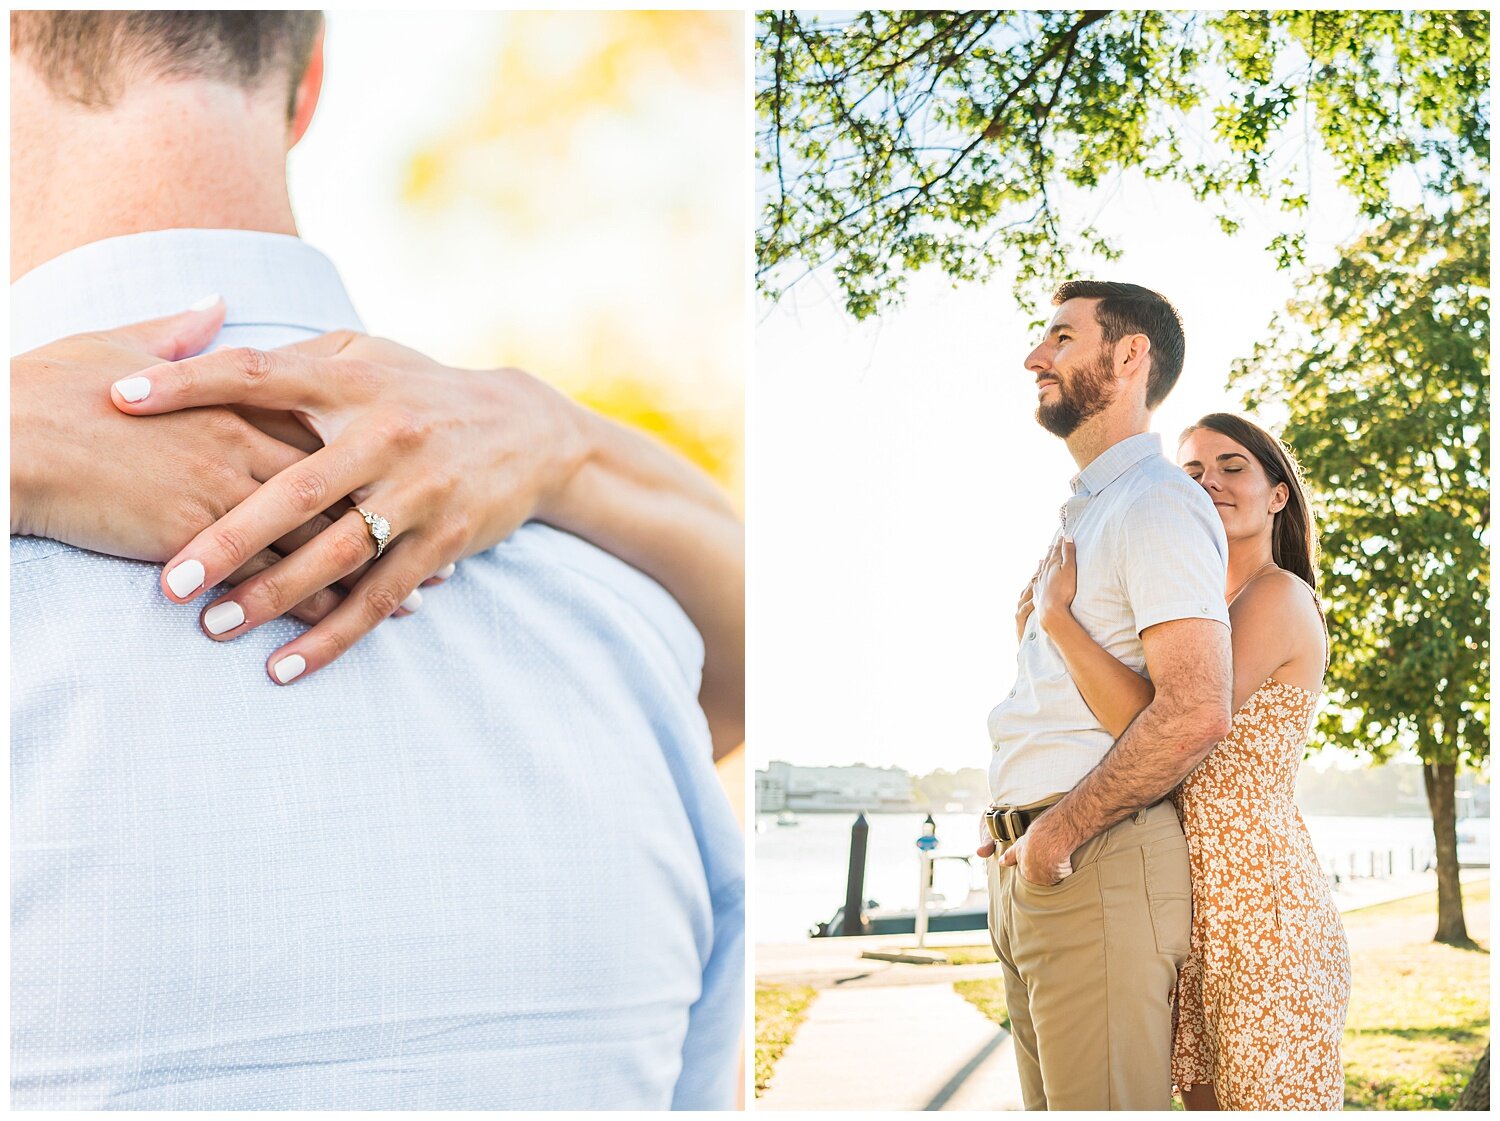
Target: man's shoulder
[
  {"x": 536, "y": 543},
  {"x": 1158, "y": 484}
]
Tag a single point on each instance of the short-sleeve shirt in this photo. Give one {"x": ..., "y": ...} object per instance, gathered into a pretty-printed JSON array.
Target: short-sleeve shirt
[{"x": 1150, "y": 548}]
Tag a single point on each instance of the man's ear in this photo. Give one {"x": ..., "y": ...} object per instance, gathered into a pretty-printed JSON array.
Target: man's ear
[
  {"x": 1133, "y": 357},
  {"x": 305, "y": 100}
]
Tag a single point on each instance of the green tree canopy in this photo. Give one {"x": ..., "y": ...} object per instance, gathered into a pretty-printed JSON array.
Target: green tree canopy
[
  {"x": 894, "y": 140},
  {"x": 1382, "y": 368}
]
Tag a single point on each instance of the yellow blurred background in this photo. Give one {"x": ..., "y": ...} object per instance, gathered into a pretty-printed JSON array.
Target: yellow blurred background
[{"x": 559, "y": 191}]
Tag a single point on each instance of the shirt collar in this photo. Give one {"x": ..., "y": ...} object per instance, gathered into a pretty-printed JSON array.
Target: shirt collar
[
  {"x": 1114, "y": 461},
  {"x": 265, "y": 279}
]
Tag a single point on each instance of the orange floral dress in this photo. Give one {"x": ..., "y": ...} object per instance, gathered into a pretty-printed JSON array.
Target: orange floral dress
[{"x": 1262, "y": 996}]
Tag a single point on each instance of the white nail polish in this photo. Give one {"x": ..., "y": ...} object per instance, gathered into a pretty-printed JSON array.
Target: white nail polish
[
  {"x": 289, "y": 667},
  {"x": 204, "y": 304},
  {"x": 446, "y": 571},
  {"x": 186, "y": 578},
  {"x": 134, "y": 389},
  {"x": 413, "y": 601},
  {"x": 223, "y": 617}
]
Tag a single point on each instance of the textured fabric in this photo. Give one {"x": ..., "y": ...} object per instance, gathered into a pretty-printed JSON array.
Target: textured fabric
[
  {"x": 1090, "y": 964},
  {"x": 1265, "y": 989},
  {"x": 481, "y": 862},
  {"x": 1150, "y": 548}
]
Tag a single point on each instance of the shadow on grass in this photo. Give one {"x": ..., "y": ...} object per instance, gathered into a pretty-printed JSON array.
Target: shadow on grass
[
  {"x": 1476, "y": 1032},
  {"x": 1470, "y": 947}
]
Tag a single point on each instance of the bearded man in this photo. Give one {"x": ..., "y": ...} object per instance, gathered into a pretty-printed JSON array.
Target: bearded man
[{"x": 1090, "y": 904}]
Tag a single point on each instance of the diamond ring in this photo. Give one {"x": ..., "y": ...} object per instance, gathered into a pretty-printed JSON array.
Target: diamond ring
[{"x": 380, "y": 529}]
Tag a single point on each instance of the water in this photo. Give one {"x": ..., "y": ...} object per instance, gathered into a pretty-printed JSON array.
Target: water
[{"x": 801, "y": 870}]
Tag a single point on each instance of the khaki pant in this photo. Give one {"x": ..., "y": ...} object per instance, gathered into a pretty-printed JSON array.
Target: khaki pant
[{"x": 1091, "y": 966}]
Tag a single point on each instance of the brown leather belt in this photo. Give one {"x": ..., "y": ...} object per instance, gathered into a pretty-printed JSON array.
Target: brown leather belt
[{"x": 1006, "y": 823}]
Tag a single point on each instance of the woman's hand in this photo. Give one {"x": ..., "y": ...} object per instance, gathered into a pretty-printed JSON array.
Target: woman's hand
[
  {"x": 83, "y": 474},
  {"x": 1056, "y": 585},
  {"x": 1024, "y": 607},
  {"x": 454, "y": 460}
]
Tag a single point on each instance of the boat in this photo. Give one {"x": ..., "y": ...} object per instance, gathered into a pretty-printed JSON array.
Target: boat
[
  {"x": 972, "y": 913},
  {"x": 787, "y": 817}
]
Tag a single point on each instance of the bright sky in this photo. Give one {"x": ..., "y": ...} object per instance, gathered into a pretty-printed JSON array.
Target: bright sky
[
  {"x": 902, "y": 492},
  {"x": 614, "y": 248},
  {"x": 392, "y": 81}
]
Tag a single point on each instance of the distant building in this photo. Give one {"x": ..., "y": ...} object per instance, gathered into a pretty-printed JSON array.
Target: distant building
[
  {"x": 782, "y": 786},
  {"x": 770, "y": 791}
]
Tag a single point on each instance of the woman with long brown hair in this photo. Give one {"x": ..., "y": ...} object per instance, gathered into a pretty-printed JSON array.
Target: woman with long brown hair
[{"x": 1263, "y": 994}]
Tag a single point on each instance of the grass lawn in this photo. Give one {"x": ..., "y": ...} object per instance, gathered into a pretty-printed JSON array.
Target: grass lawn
[
  {"x": 778, "y": 1011},
  {"x": 988, "y": 995},
  {"x": 1419, "y": 1015},
  {"x": 962, "y": 955}
]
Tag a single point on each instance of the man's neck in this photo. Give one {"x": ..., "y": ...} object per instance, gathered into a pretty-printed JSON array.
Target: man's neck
[
  {"x": 168, "y": 155},
  {"x": 1103, "y": 431}
]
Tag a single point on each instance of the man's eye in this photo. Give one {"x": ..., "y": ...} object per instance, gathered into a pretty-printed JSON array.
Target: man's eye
[{"x": 1064, "y": 338}]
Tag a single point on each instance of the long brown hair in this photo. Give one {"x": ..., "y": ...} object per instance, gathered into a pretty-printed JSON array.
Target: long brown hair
[{"x": 1294, "y": 542}]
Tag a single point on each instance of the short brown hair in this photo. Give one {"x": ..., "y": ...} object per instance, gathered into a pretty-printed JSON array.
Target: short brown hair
[
  {"x": 1129, "y": 309},
  {"x": 91, "y": 57}
]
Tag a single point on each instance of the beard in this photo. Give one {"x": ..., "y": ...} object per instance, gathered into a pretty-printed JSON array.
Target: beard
[{"x": 1081, "y": 394}]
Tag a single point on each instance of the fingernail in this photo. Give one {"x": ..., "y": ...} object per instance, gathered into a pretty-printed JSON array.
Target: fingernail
[
  {"x": 204, "y": 304},
  {"x": 134, "y": 389},
  {"x": 185, "y": 578},
  {"x": 446, "y": 571},
  {"x": 223, "y": 617},
  {"x": 289, "y": 667},
  {"x": 413, "y": 601}
]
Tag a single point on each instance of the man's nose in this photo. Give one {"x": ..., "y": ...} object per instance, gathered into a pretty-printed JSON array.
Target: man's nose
[{"x": 1036, "y": 361}]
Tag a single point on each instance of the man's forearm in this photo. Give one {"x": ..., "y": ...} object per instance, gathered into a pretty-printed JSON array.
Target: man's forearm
[
  {"x": 1161, "y": 746},
  {"x": 635, "y": 499}
]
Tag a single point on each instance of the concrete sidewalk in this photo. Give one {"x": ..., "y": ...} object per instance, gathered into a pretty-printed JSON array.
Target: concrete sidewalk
[{"x": 901, "y": 1047}]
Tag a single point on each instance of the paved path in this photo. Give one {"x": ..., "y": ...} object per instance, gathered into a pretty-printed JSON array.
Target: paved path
[{"x": 906, "y": 1047}]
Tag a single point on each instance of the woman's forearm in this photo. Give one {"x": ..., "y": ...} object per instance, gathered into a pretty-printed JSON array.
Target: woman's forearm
[
  {"x": 635, "y": 499},
  {"x": 1113, "y": 691}
]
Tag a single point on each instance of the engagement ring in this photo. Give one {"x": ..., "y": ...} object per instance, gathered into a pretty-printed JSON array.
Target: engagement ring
[{"x": 380, "y": 529}]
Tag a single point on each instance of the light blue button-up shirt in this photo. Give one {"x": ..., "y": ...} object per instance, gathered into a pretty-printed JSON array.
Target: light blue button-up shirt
[{"x": 481, "y": 862}]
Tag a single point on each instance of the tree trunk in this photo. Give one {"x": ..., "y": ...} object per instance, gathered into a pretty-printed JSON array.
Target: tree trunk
[
  {"x": 1476, "y": 1095},
  {"x": 1439, "y": 779}
]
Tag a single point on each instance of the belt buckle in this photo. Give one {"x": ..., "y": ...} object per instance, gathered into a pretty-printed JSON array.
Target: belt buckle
[
  {"x": 1015, "y": 825},
  {"x": 1009, "y": 817}
]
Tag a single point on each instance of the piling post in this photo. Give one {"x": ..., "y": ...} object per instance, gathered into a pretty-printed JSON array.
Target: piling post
[
  {"x": 926, "y": 843},
  {"x": 854, "y": 894}
]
